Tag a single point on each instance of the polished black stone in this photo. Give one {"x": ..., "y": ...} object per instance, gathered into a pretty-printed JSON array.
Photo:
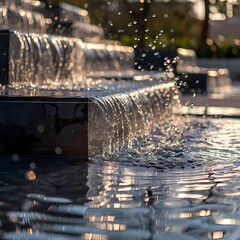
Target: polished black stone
[
  {"x": 44, "y": 125},
  {"x": 4, "y": 56}
]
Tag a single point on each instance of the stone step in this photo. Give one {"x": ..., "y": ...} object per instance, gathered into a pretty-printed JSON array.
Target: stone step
[
  {"x": 54, "y": 61},
  {"x": 82, "y": 123}
]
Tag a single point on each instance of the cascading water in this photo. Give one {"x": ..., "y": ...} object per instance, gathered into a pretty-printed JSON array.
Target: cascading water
[
  {"x": 133, "y": 110},
  {"x": 87, "y": 31},
  {"x": 106, "y": 57},
  {"x": 72, "y": 60},
  {"x": 34, "y": 53},
  {"x": 26, "y": 21},
  {"x": 23, "y": 4}
]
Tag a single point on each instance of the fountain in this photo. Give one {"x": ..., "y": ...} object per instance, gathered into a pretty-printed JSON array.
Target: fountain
[
  {"x": 151, "y": 175},
  {"x": 57, "y": 92}
]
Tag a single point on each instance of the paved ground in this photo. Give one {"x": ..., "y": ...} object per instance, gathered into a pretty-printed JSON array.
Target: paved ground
[
  {"x": 211, "y": 101},
  {"x": 213, "y": 104}
]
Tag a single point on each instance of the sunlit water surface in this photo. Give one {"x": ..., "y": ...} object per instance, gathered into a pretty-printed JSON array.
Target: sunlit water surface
[{"x": 182, "y": 182}]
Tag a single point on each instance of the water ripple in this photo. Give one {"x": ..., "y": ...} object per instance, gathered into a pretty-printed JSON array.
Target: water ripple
[{"x": 189, "y": 189}]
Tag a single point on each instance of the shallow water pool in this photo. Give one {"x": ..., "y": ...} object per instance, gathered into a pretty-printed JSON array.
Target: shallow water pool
[{"x": 182, "y": 182}]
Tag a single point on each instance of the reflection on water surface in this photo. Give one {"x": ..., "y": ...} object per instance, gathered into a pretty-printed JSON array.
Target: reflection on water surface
[{"x": 183, "y": 182}]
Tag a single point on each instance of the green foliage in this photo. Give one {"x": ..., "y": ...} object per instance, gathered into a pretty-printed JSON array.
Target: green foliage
[
  {"x": 225, "y": 49},
  {"x": 180, "y": 28},
  {"x": 228, "y": 48}
]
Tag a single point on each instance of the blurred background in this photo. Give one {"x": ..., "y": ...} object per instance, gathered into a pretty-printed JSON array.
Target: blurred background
[{"x": 210, "y": 27}]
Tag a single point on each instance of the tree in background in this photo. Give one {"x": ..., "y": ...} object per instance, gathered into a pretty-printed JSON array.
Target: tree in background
[
  {"x": 156, "y": 23},
  {"x": 224, "y": 8},
  {"x": 205, "y": 24},
  {"x": 140, "y": 23}
]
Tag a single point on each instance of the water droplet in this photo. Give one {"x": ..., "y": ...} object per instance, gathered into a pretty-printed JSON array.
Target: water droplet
[
  {"x": 58, "y": 150},
  {"x": 32, "y": 165},
  {"x": 40, "y": 128},
  {"x": 30, "y": 175},
  {"x": 15, "y": 157}
]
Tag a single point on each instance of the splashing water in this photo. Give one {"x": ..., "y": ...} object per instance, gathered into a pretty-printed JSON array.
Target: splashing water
[{"x": 133, "y": 110}]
